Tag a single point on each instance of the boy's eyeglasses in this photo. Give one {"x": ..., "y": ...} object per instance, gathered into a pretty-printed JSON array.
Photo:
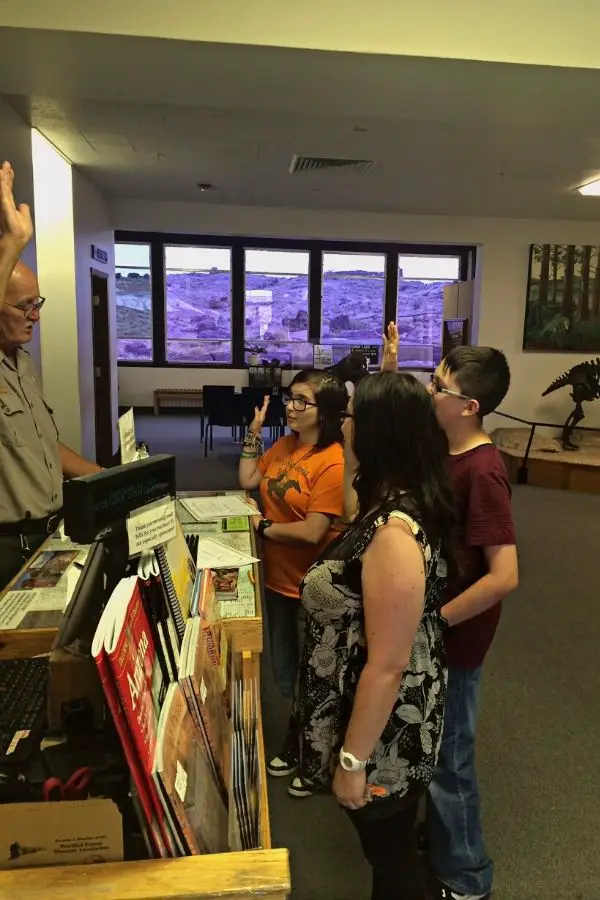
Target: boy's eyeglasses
[
  {"x": 299, "y": 404},
  {"x": 439, "y": 388}
]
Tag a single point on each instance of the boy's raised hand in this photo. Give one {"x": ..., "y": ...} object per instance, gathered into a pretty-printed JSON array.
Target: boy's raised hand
[{"x": 391, "y": 341}]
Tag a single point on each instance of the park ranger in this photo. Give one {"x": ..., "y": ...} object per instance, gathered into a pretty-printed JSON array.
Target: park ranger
[{"x": 33, "y": 461}]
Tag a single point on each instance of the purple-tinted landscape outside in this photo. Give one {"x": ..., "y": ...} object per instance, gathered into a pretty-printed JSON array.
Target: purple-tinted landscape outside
[
  {"x": 134, "y": 302},
  {"x": 198, "y": 304}
]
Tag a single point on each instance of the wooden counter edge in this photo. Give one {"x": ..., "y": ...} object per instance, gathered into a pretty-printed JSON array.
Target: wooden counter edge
[{"x": 227, "y": 876}]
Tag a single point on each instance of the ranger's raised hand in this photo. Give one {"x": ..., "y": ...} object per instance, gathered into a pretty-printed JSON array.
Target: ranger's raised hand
[{"x": 16, "y": 227}]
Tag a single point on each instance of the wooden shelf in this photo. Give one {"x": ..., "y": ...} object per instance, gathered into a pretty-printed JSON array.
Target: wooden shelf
[{"x": 222, "y": 876}]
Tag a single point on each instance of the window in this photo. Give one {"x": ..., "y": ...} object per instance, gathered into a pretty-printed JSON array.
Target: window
[
  {"x": 134, "y": 302},
  {"x": 353, "y": 300},
  {"x": 276, "y": 306},
  {"x": 420, "y": 308},
  {"x": 210, "y": 300},
  {"x": 198, "y": 304}
]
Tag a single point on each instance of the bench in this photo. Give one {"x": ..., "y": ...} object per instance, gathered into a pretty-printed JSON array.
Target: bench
[{"x": 177, "y": 397}]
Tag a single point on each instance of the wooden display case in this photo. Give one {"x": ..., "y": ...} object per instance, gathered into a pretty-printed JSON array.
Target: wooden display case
[{"x": 246, "y": 632}]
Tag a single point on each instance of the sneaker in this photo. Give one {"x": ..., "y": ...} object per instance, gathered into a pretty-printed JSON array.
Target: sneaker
[
  {"x": 445, "y": 893},
  {"x": 285, "y": 763},
  {"x": 299, "y": 790}
]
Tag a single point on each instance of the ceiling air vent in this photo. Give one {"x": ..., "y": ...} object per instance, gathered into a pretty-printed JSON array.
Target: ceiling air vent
[{"x": 330, "y": 163}]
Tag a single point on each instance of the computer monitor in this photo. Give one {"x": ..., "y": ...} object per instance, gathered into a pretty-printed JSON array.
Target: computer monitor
[
  {"x": 96, "y": 506},
  {"x": 82, "y": 615}
]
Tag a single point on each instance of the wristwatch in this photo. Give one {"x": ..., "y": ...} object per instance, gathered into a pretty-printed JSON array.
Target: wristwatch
[
  {"x": 263, "y": 525},
  {"x": 350, "y": 763}
]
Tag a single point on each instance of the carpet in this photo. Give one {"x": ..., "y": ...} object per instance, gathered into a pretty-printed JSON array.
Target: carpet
[{"x": 539, "y": 729}]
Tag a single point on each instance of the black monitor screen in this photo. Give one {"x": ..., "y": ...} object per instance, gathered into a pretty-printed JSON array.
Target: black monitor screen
[{"x": 95, "y": 505}]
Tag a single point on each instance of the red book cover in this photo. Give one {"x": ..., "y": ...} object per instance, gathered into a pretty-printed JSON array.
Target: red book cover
[
  {"x": 138, "y": 775},
  {"x": 125, "y": 635}
]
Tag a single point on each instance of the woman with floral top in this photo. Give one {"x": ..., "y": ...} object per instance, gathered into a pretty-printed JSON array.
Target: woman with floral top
[{"x": 373, "y": 678}]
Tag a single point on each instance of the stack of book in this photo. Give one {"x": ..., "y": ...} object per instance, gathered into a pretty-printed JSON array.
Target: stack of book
[{"x": 164, "y": 665}]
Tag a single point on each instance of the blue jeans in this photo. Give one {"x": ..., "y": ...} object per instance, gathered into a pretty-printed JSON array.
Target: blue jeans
[
  {"x": 285, "y": 621},
  {"x": 456, "y": 849}
]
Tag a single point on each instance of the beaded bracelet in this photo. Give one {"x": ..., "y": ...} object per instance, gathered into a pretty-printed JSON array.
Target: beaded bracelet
[{"x": 253, "y": 444}]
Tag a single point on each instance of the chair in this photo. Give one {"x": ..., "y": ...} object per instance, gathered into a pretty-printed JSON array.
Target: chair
[
  {"x": 275, "y": 419},
  {"x": 222, "y": 406}
]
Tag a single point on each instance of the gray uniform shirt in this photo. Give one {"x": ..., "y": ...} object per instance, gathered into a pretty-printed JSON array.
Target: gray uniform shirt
[{"x": 30, "y": 466}]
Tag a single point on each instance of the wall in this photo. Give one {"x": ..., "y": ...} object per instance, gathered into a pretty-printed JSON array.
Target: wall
[
  {"x": 53, "y": 190},
  {"x": 500, "y": 284},
  {"x": 92, "y": 226},
  {"x": 15, "y": 146},
  {"x": 536, "y": 32},
  {"x": 70, "y": 215}
]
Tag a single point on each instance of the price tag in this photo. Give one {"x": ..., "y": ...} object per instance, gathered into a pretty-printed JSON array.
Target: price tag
[{"x": 181, "y": 782}]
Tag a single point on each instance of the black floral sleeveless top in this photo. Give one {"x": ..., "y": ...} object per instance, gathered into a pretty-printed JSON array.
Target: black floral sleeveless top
[{"x": 335, "y": 653}]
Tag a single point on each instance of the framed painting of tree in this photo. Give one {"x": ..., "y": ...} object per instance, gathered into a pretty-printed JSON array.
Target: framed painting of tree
[{"x": 562, "y": 312}]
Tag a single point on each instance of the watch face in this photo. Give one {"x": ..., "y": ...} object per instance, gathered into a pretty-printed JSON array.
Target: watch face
[{"x": 347, "y": 762}]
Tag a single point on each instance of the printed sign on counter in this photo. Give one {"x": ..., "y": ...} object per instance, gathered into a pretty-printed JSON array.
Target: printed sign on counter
[{"x": 151, "y": 526}]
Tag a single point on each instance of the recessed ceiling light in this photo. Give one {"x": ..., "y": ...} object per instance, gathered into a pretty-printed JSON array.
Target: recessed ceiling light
[
  {"x": 204, "y": 186},
  {"x": 591, "y": 189}
]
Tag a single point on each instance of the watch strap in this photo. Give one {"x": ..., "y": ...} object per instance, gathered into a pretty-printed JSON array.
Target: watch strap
[
  {"x": 350, "y": 763},
  {"x": 263, "y": 525}
]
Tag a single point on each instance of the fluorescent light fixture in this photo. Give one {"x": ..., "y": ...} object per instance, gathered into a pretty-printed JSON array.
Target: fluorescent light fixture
[{"x": 591, "y": 189}]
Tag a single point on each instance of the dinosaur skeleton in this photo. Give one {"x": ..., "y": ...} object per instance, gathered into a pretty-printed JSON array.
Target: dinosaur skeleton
[{"x": 584, "y": 379}]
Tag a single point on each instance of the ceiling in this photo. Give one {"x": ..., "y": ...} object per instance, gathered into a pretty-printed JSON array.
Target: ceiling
[{"x": 149, "y": 119}]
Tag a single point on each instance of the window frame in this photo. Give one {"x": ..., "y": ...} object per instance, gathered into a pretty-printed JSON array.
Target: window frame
[
  {"x": 194, "y": 243},
  {"x": 146, "y": 362},
  {"x": 238, "y": 245}
]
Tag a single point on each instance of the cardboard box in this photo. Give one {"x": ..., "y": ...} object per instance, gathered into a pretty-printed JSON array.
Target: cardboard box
[{"x": 60, "y": 833}]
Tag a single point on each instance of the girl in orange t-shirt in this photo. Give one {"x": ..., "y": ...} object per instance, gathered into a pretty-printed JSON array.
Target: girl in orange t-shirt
[{"x": 301, "y": 481}]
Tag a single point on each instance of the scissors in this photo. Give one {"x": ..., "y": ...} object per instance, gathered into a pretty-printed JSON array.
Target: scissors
[{"x": 76, "y": 788}]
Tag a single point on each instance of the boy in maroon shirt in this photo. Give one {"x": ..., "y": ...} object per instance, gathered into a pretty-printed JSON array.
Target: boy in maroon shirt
[{"x": 469, "y": 384}]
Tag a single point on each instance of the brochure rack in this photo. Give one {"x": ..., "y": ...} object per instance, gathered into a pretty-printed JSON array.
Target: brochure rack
[{"x": 245, "y": 875}]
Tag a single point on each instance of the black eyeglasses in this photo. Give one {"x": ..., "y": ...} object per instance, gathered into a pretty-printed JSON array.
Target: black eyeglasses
[
  {"x": 299, "y": 404},
  {"x": 30, "y": 306},
  {"x": 346, "y": 415},
  {"x": 439, "y": 388}
]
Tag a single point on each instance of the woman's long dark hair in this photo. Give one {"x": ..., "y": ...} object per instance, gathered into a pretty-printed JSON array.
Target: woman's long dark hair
[
  {"x": 331, "y": 398},
  {"x": 400, "y": 447}
]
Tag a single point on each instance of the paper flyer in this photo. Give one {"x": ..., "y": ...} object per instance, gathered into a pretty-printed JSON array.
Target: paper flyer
[
  {"x": 213, "y": 554},
  {"x": 245, "y": 604},
  {"x": 207, "y": 508},
  {"x": 127, "y": 439}
]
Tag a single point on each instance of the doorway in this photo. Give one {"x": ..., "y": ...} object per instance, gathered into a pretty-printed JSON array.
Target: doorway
[{"x": 102, "y": 373}]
